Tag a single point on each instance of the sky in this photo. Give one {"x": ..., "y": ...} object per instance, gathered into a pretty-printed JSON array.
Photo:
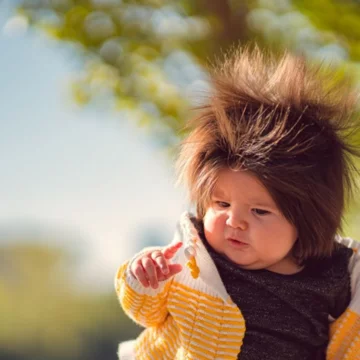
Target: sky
[{"x": 88, "y": 178}]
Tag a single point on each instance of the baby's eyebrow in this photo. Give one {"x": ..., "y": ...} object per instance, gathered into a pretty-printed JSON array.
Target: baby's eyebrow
[
  {"x": 262, "y": 201},
  {"x": 266, "y": 205},
  {"x": 218, "y": 193}
]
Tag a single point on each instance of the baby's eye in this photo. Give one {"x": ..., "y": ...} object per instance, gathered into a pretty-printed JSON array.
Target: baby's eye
[
  {"x": 261, "y": 212},
  {"x": 222, "y": 204}
]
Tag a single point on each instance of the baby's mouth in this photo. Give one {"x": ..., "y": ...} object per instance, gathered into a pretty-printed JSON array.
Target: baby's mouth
[{"x": 237, "y": 243}]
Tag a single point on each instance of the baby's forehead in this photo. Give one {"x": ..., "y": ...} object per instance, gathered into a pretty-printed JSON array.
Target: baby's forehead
[
  {"x": 254, "y": 196},
  {"x": 242, "y": 185}
]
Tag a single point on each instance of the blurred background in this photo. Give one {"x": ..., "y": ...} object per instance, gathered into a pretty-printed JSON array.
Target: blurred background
[{"x": 94, "y": 95}]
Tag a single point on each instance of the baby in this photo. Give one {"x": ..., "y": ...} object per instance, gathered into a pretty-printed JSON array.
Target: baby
[{"x": 268, "y": 166}]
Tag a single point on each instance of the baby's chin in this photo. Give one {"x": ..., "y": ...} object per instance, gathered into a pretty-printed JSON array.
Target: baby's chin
[{"x": 242, "y": 263}]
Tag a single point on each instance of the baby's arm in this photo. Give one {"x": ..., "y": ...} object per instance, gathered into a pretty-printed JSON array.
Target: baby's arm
[
  {"x": 142, "y": 284},
  {"x": 344, "y": 332}
]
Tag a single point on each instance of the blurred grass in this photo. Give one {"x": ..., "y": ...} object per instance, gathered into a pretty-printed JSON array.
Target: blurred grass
[{"x": 45, "y": 317}]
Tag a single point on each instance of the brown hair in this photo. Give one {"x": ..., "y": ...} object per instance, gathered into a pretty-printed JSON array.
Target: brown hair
[{"x": 288, "y": 123}]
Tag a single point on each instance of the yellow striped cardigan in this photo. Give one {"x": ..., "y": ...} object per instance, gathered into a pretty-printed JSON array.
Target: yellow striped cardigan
[{"x": 187, "y": 318}]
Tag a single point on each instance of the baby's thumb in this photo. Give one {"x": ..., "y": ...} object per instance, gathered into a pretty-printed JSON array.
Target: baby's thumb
[{"x": 174, "y": 269}]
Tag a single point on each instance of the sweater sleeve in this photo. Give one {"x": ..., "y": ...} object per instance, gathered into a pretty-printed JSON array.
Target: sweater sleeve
[
  {"x": 146, "y": 306},
  {"x": 344, "y": 332}
]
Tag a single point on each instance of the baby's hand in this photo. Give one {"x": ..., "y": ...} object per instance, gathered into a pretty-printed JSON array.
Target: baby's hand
[{"x": 154, "y": 266}]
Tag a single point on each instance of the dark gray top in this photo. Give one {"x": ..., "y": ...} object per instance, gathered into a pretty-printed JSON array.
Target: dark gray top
[{"x": 287, "y": 316}]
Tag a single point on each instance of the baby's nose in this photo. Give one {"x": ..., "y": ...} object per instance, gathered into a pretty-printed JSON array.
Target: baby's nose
[{"x": 237, "y": 222}]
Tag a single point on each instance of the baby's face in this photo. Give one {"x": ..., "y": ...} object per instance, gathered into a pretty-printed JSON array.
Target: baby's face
[{"x": 243, "y": 223}]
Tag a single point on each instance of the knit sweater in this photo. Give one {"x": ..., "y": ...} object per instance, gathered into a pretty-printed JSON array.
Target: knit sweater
[{"x": 194, "y": 318}]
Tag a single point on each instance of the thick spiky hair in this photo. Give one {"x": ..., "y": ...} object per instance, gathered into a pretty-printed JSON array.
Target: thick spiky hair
[{"x": 287, "y": 123}]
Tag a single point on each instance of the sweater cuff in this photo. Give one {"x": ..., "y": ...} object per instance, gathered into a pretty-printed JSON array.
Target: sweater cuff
[{"x": 126, "y": 350}]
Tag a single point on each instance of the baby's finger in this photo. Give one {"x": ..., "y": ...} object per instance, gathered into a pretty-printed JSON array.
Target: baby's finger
[
  {"x": 150, "y": 271},
  {"x": 160, "y": 260},
  {"x": 174, "y": 269},
  {"x": 170, "y": 250},
  {"x": 138, "y": 272}
]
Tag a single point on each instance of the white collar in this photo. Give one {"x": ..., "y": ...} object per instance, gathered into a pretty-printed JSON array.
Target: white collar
[{"x": 208, "y": 271}]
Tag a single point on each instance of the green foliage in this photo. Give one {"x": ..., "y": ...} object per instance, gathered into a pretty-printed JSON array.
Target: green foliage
[
  {"x": 340, "y": 18},
  {"x": 147, "y": 54}
]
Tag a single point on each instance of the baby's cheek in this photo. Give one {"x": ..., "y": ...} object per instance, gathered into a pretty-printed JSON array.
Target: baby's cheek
[
  {"x": 213, "y": 228},
  {"x": 213, "y": 222}
]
